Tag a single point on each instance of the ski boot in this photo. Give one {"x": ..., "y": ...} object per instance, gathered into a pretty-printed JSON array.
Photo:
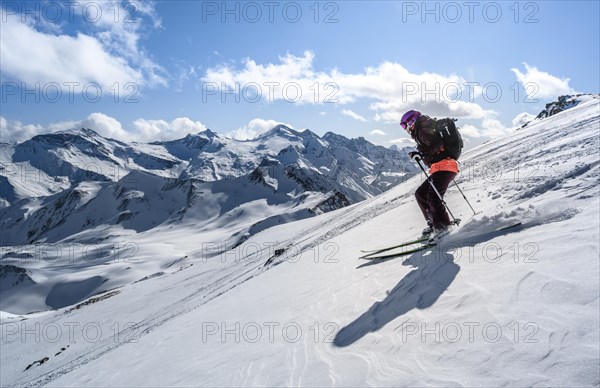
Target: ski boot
[
  {"x": 428, "y": 230},
  {"x": 438, "y": 234}
]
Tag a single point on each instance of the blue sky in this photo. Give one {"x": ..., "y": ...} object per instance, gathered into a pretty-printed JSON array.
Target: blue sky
[{"x": 159, "y": 70}]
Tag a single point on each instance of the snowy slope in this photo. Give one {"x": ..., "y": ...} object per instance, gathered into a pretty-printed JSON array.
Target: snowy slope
[
  {"x": 563, "y": 103},
  {"x": 95, "y": 225},
  {"x": 292, "y": 305}
]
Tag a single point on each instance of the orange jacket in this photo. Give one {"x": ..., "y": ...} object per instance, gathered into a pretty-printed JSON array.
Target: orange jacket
[{"x": 447, "y": 164}]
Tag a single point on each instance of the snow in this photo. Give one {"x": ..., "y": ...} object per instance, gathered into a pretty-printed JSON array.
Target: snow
[{"x": 515, "y": 307}]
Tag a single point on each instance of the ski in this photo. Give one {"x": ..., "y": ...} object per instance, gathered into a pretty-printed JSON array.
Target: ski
[
  {"x": 416, "y": 241},
  {"x": 508, "y": 227},
  {"x": 397, "y": 254},
  {"x": 376, "y": 254},
  {"x": 373, "y": 251}
]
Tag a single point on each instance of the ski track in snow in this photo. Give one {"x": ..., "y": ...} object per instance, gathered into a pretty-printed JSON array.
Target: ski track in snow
[{"x": 548, "y": 152}]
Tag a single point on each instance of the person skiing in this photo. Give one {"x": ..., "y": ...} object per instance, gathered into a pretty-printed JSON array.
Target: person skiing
[{"x": 433, "y": 149}]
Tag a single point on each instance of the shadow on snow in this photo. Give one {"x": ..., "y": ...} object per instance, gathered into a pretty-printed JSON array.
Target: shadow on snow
[
  {"x": 434, "y": 271},
  {"x": 419, "y": 289}
]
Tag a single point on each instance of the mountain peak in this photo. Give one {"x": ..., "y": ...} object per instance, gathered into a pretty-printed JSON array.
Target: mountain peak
[
  {"x": 68, "y": 136},
  {"x": 191, "y": 141},
  {"x": 78, "y": 131},
  {"x": 309, "y": 133},
  {"x": 208, "y": 133},
  {"x": 85, "y": 132},
  {"x": 281, "y": 127},
  {"x": 330, "y": 134},
  {"x": 563, "y": 103},
  {"x": 279, "y": 130}
]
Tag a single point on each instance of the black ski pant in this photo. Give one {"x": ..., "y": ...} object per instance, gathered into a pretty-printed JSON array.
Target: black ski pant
[{"x": 431, "y": 205}]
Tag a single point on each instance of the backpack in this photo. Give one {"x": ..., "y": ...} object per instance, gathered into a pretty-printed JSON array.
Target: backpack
[{"x": 453, "y": 143}]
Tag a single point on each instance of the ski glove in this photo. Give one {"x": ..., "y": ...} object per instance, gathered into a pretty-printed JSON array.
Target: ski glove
[{"x": 414, "y": 155}]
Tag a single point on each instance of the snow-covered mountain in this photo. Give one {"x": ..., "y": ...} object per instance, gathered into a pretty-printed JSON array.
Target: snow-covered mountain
[
  {"x": 561, "y": 104},
  {"x": 389, "y": 169},
  {"x": 47, "y": 164},
  {"x": 61, "y": 184},
  {"x": 292, "y": 305}
]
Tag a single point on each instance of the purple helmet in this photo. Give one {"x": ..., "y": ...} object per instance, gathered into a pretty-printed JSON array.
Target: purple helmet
[{"x": 409, "y": 119}]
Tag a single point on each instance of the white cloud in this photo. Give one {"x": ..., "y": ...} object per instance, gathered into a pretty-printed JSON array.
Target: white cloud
[
  {"x": 110, "y": 54},
  {"x": 522, "y": 118},
  {"x": 393, "y": 88},
  {"x": 469, "y": 130},
  {"x": 493, "y": 128},
  {"x": 15, "y": 131},
  {"x": 151, "y": 130},
  {"x": 392, "y": 111},
  {"x": 142, "y": 130},
  {"x": 490, "y": 127},
  {"x": 105, "y": 125},
  {"x": 403, "y": 141},
  {"x": 255, "y": 128},
  {"x": 540, "y": 84},
  {"x": 354, "y": 115},
  {"x": 31, "y": 56},
  {"x": 377, "y": 132},
  {"x": 182, "y": 75}
]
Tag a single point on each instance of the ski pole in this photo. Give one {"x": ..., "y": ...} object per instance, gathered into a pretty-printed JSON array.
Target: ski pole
[
  {"x": 436, "y": 190},
  {"x": 463, "y": 194}
]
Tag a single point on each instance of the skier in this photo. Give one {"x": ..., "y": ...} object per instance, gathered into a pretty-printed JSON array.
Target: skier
[{"x": 441, "y": 158}]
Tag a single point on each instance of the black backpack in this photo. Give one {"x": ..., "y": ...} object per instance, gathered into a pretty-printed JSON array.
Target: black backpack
[{"x": 453, "y": 143}]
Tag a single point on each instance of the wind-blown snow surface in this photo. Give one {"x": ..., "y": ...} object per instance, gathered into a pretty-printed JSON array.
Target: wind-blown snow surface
[{"x": 516, "y": 307}]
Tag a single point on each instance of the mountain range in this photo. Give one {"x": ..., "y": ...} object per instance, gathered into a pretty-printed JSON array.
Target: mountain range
[{"x": 76, "y": 183}]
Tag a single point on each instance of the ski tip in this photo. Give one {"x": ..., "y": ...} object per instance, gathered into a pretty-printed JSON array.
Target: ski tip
[
  {"x": 511, "y": 226},
  {"x": 416, "y": 241},
  {"x": 385, "y": 256}
]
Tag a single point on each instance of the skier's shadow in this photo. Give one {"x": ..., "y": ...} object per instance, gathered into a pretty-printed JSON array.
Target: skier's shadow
[
  {"x": 421, "y": 288},
  {"x": 434, "y": 271}
]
